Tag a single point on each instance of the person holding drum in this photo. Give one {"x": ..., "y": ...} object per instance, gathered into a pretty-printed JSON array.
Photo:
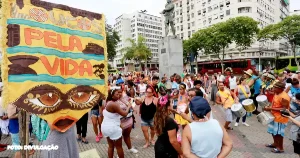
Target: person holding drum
[
  {"x": 277, "y": 127},
  {"x": 267, "y": 86},
  {"x": 225, "y": 98},
  {"x": 243, "y": 92},
  {"x": 254, "y": 82},
  {"x": 295, "y": 88}
]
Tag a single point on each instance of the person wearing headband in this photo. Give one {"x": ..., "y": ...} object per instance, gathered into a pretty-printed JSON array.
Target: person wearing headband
[
  {"x": 166, "y": 130},
  {"x": 205, "y": 136}
]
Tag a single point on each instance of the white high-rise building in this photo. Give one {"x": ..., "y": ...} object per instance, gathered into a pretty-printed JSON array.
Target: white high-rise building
[
  {"x": 193, "y": 15},
  {"x": 132, "y": 25}
]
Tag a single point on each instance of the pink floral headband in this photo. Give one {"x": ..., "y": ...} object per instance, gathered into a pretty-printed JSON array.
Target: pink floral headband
[{"x": 163, "y": 100}]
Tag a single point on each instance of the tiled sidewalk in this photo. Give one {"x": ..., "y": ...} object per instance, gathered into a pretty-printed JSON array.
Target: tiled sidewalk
[{"x": 248, "y": 142}]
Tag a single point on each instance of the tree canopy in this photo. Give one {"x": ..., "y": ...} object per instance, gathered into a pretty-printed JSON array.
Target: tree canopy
[
  {"x": 112, "y": 39},
  {"x": 137, "y": 51},
  {"x": 288, "y": 29},
  {"x": 216, "y": 38}
]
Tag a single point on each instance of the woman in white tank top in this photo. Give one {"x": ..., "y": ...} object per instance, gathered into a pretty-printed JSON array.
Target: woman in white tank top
[{"x": 111, "y": 123}]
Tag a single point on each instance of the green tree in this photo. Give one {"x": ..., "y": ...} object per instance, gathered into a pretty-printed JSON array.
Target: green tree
[
  {"x": 243, "y": 30},
  {"x": 112, "y": 39},
  {"x": 288, "y": 29},
  {"x": 138, "y": 51},
  {"x": 109, "y": 67}
]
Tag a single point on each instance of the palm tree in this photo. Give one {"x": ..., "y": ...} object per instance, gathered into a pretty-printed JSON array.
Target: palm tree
[{"x": 138, "y": 51}]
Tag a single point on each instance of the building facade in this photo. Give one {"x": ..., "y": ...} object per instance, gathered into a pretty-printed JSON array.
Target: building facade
[
  {"x": 193, "y": 15},
  {"x": 131, "y": 26}
]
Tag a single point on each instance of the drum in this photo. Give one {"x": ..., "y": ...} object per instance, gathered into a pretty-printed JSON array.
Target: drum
[
  {"x": 238, "y": 110},
  {"x": 265, "y": 117},
  {"x": 249, "y": 105},
  {"x": 262, "y": 101}
]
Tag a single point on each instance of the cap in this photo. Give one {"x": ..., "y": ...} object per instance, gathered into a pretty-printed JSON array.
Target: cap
[{"x": 199, "y": 106}]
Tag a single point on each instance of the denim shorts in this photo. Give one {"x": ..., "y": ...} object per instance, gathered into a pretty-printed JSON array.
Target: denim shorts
[
  {"x": 149, "y": 123},
  {"x": 95, "y": 113}
]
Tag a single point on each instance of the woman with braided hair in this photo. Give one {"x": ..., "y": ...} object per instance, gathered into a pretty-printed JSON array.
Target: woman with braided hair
[{"x": 166, "y": 129}]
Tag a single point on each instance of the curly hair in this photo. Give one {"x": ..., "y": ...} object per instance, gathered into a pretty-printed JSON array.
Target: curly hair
[{"x": 160, "y": 117}]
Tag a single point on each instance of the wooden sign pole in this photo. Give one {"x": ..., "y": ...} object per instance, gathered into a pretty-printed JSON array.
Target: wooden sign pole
[{"x": 23, "y": 132}]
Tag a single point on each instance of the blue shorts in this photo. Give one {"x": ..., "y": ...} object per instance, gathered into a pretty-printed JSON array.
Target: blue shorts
[
  {"x": 149, "y": 123},
  {"x": 95, "y": 113},
  {"x": 276, "y": 128}
]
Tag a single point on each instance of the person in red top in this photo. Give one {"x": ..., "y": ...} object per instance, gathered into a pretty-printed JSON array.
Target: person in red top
[
  {"x": 228, "y": 72},
  {"x": 277, "y": 127}
]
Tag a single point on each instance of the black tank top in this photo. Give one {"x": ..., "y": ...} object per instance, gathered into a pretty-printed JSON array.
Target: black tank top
[{"x": 148, "y": 111}]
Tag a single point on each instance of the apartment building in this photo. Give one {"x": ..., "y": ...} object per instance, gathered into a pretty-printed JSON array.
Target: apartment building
[
  {"x": 132, "y": 25},
  {"x": 193, "y": 15}
]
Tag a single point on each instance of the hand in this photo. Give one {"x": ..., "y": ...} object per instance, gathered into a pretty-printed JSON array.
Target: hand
[
  {"x": 181, "y": 156},
  {"x": 285, "y": 116},
  {"x": 267, "y": 108},
  {"x": 4, "y": 117}
]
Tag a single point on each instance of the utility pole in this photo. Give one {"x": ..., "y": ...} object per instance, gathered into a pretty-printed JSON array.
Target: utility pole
[{"x": 261, "y": 46}]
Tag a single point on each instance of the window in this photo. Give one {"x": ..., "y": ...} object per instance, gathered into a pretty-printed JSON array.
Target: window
[
  {"x": 282, "y": 63},
  {"x": 293, "y": 63},
  {"x": 192, "y": 15},
  {"x": 193, "y": 23},
  {"x": 227, "y": 12},
  {"x": 244, "y": 10}
]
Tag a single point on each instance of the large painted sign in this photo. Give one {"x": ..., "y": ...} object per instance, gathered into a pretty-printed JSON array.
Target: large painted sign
[{"x": 54, "y": 60}]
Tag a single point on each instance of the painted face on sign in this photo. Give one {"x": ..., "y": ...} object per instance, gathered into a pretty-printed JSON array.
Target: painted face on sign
[{"x": 57, "y": 108}]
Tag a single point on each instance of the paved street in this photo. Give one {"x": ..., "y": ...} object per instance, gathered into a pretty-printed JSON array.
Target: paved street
[{"x": 248, "y": 142}]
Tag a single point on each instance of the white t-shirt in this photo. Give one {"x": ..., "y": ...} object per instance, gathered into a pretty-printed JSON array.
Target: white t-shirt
[
  {"x": 286, "y": 86},
  {"x": 232, "y": 82},
  {"x": 142, "y": 88},
  {"x": 221, "y": 78}
]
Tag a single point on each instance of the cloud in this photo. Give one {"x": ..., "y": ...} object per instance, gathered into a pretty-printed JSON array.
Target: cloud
[{"x": 114, "y": 8}]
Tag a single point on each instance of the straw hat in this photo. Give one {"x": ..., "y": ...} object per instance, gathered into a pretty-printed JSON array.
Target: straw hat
[
  {"x": 249, "y": 72},
  {"x": 229, "y": 69},
  {"x": 271, "y": 76}
]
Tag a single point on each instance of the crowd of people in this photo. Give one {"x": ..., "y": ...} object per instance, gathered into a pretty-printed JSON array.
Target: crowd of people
[{"x": 174, "y": 109}]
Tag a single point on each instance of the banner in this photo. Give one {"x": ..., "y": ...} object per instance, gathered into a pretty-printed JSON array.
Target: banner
[{"x": 54, "y": 60}]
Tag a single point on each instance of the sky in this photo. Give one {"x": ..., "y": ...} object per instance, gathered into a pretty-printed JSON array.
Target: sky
[{"x": 114, "y": 8}]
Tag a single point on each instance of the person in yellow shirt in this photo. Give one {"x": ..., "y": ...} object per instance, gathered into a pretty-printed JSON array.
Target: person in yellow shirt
[
  {"x": 277, "y": 127},
  {"x": 225, "y": 97}
]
